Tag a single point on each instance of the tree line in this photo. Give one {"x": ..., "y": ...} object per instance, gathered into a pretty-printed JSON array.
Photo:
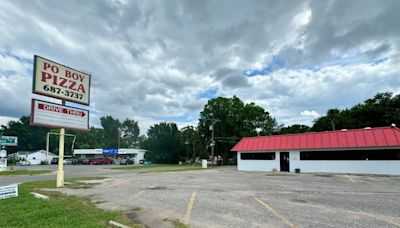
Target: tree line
[{"x": 231, "y": 119}]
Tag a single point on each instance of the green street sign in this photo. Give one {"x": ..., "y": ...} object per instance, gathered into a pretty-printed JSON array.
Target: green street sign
[{"x": 8, "y": 141}]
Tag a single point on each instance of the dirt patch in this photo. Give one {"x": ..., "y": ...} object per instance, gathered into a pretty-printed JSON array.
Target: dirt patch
[{"x": 149, "y": 218}]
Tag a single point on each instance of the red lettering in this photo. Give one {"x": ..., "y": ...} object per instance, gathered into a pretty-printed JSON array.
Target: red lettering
[
  {"x": 81, "y": 88},
  {"x": 67, "y": 74},
  {"x": 55, "y": 69},
  {"x": 72, "y": 85},
  {"x": 62, "y": 82},
  {"x": 54, "y": 80},
  {"x": 81, "y": 77},
  {"x": 75, "y": 76},
  {"x": 46, "y": 76},
  {"x": 45, "y": 66}
]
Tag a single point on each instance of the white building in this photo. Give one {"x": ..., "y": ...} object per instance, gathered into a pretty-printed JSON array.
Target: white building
[
  {"x": 34, "y": 157},
  {"x": 363, "y": 151},
  {"x": 136, "y": 154}
]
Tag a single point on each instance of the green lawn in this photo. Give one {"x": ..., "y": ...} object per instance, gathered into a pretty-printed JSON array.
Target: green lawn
[
  {"x": 129, "y": 167},
  {"x": 59, "y": 211},
  {"x": 25, "y": 172}
]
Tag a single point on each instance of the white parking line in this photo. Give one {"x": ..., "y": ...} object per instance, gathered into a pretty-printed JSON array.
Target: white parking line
[{"x": 133, "y": 197}]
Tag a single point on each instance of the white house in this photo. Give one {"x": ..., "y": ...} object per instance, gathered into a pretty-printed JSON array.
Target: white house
[
  {"x": 34, "y": 157},
  {"x": 363, "y": 151},
  {"x": 136, "y": 154}
]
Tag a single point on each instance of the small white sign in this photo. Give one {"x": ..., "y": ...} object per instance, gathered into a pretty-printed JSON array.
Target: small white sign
[
  {"x": 3, "y": 164},
  {"x": 8, "y": 191},
  {"x": 3, "y": 153},
  {"x": 56, "y": 80},
  {"x": 52, "y": 115}
]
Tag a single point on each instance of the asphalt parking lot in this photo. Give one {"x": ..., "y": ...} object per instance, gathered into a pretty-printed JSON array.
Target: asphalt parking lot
[{"x": 224, "y": 197}]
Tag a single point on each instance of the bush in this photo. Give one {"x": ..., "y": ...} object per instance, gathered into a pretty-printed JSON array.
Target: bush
[{"x": 44, "y": 162}]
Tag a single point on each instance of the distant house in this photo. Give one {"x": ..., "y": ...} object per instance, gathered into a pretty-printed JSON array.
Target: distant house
[
  {"x": 34, "y": 157},
  {"x": 365, "y": 151}
]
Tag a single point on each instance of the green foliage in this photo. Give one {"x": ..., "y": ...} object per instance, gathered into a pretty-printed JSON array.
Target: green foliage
[
  {"x": 293, "y": 129},
  {"x": 235, "y": 120},
  {"x": 381, "y": 110},
  {"x": 29, "y": 137},
  {"x": 163, "y": 143}
]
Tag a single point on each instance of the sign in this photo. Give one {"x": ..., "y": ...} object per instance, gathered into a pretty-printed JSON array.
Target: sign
[
  {"x": 3, "y": 164},
  {"x": 110, "y": 151},
  {"x": 8, "y": 191},
  {"x": 3, "y": 153},
  {"x": 55, "y": 80},
  {"x": 48, "y": 114},
  {"x": 8, "y": 141}
]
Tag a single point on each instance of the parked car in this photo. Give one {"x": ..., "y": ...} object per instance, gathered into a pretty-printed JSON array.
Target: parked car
[
  {"x": 67, "y": 162},
  {"x": 100, "y": 161},
  {"x": 127, "y": 161},
  {"x": 23, "y": 163},
  {"x": 54, "y": 161}
]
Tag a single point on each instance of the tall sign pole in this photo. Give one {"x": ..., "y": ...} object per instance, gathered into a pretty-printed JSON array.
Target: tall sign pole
[
  {"x": 55, "y": 80},
  {"x": 60, "y": 172}
]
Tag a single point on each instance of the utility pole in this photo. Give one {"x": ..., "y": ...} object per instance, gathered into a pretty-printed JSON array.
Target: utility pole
[
  {"x": 212, "y": 141},
  {"x": 187, "y": 149}
]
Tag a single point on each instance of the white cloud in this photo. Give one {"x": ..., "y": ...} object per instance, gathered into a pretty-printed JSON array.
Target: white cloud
[{"x": 149, "y": 60}]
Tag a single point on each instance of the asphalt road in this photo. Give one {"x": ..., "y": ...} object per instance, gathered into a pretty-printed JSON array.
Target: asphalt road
[{"x": 224, "y": 197}]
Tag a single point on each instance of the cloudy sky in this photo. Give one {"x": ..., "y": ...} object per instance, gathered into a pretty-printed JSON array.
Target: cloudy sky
[{"x": 162, "y": 60}]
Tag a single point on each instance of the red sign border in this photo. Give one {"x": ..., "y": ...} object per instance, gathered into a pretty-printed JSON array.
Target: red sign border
[
  {"x": 52, "y": 95},
  {"x": 55, "y": 126}
]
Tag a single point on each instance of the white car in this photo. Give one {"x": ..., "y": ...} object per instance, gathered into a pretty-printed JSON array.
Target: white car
[
  {"x": 67, "y": 162},
  {"x": 23, "y": 163}
]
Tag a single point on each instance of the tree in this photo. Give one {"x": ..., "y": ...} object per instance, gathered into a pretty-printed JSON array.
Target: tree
[
  {"x": 233, "y": 120},
  {"x": 381, "y": 110},
  {"x": 129, "y": 131},
  {"x": 163, "y": 143},
  {"x": 293, "y": 129},
  {"x": 111, "y": 131},
  {"x": 29, "y": 137}
]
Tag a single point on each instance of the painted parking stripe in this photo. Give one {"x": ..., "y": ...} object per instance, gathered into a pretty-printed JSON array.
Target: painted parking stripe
[
  {"x": 350, "y": 178},
  {"x": 118, "y": 183},
  {"x": 133, "y": 197},
  {"x": 276, "y": 213},
  {"x": 189, "y": 209}
]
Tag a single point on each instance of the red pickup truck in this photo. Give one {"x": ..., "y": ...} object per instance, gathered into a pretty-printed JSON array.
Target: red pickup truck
[{"x": 100, "y": 161}]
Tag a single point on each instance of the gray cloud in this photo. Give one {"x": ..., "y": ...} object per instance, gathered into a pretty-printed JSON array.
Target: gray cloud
[{"x": 152, "y": 58}]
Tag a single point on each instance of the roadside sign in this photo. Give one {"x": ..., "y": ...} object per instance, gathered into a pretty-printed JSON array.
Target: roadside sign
[
  {"x": 52, "y": 115},
  {"x": 8, "y": 141},
  {"x": 110, "y": 151},
  {"x": 8, "y": 191},
  {"x": 3, "y": 164},
  {"x": 56, "y": 80},
  {"x": 3, "y": 153}
]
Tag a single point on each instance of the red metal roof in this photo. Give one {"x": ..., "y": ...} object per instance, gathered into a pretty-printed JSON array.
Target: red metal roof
[{"x": 357, "y": 138}]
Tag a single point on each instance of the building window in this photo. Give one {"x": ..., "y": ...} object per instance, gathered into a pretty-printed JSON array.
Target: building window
[
  {"x": 389, "y": 154},
  {"x": 257, "y": 156}
]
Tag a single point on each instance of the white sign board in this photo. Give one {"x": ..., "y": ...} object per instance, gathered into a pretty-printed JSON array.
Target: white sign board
[
  {"x": 8, "y": 191},
  {"x": 56, "y": 80},
  {"x": 3, "y": 153},
  {"x": 52, "y": 115},
  {"x": 3, "y": 164}
]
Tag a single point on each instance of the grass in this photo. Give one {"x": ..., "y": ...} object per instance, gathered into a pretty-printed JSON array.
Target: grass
[
  {"x": 59, "y": 211},
  {"x": 25, "y": 172},
  {"x": 147, "y": 166}
]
